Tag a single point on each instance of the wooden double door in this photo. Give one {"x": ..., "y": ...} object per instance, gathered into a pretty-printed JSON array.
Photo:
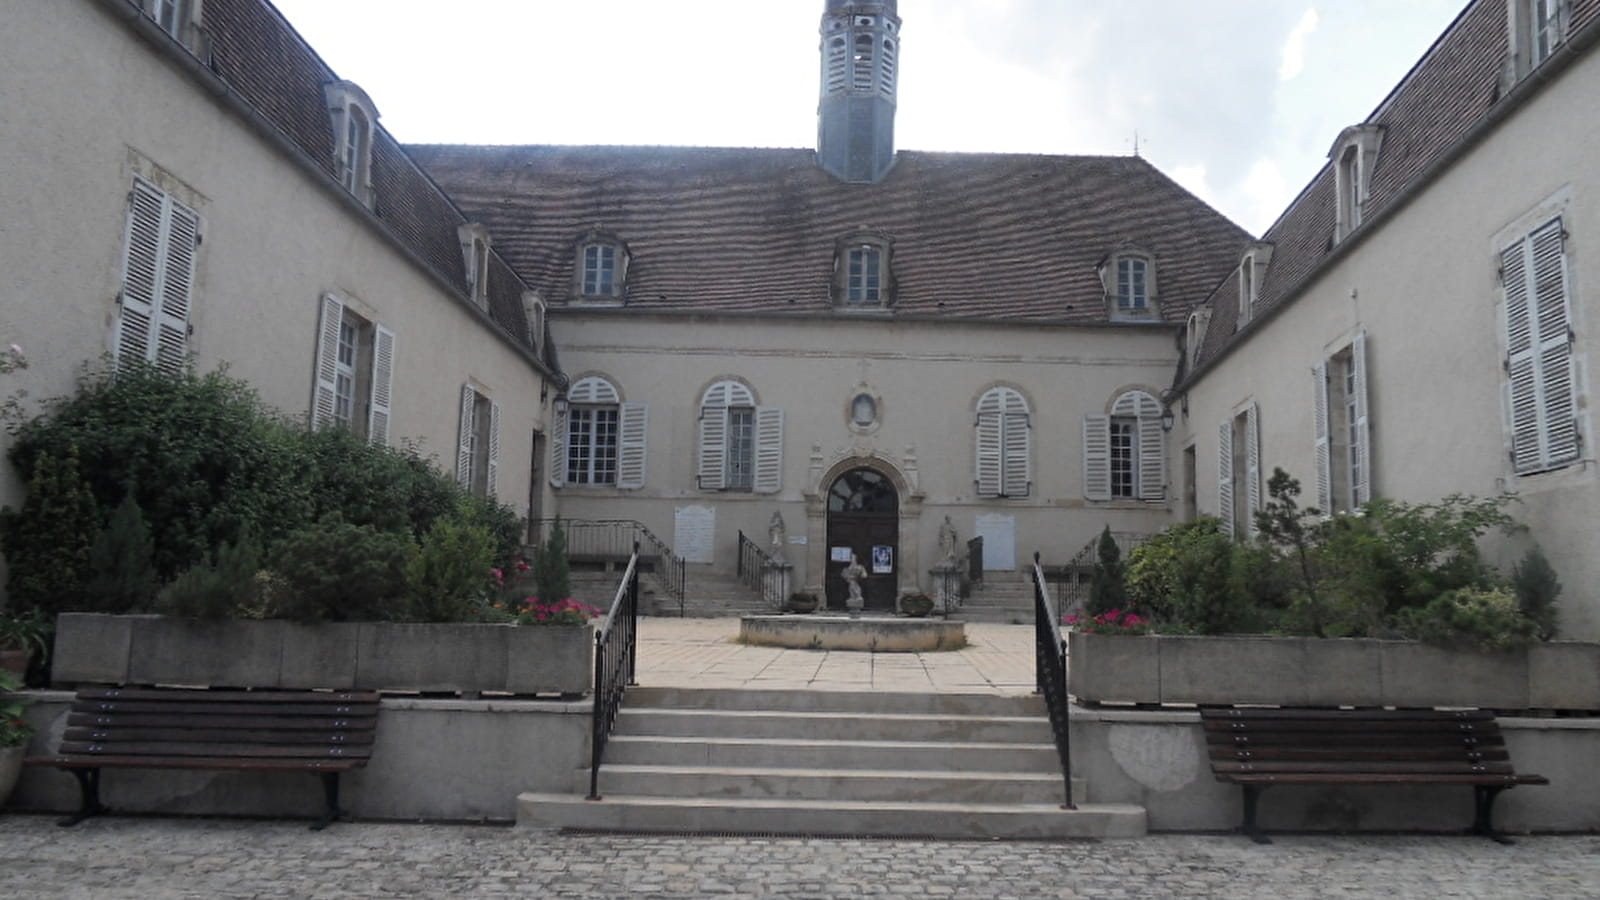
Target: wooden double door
[{"x": 864, "y": 519}]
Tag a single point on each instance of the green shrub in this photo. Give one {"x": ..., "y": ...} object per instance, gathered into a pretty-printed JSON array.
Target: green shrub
[
  {"x": 47, "y": 541},
  {"x": 1469, "y": 618},
  {"x": 1193, "y": 577},
  {"x": 552, "y": 578},
  {"x": 1537, "y": 588},
  {"x": 336, "y": 571},
  {"x": 224, "y": 586},
  {"x": 122, "y": 576},
  {"x": 1106, "y": 589},
  {"x": 450, "y": 573}
]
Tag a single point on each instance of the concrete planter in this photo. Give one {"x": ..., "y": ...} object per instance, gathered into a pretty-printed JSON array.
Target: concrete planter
[
  {"x": 1291, "y": 671},
  {"x": 449, "y": 658}
]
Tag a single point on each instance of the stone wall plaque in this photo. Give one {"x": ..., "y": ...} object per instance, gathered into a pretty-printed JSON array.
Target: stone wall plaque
[
  {"x": 999, "y": 533},
  {"x": 694, "y": 530}
]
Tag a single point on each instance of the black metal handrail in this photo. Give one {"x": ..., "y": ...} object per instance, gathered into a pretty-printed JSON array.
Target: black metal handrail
[
  {"x": 757, "y": 572},
  {"x": 615, "y": 652},
  {"x": 613, "y": 539},
  {"x": 1050, "y": 673}
]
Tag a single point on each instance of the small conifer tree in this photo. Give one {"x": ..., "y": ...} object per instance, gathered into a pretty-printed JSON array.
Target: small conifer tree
[
  {"x": 552, "y": 578},
  {"x": 46, "y": 543},
  {"x": 1108, "y": 590},
  {"x": 122, "y": 574}
]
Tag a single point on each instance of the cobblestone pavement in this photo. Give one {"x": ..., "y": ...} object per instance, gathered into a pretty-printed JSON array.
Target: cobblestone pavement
[{"x": 143, "y": 857}]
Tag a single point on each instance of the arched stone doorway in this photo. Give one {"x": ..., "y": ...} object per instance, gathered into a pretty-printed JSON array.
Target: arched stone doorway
[{"x": 863, "y": 509}]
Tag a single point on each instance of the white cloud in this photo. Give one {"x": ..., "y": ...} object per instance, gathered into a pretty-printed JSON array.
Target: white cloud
[{"x": 1294, "y": 48}]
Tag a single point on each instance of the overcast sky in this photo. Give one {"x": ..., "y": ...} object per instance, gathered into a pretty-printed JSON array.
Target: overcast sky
[{"x": 1238, "y": 100}]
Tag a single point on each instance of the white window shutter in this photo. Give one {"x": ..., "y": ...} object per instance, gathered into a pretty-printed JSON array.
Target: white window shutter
[
  {"x": 382, "y": 386},
  {"x": 1519, "y": 360},
  {"x": 464, "y": 438},
  {"x": 323, "y": 392},
  {"x": 1097, "y": 457},
  {"x": 558, "y": 447},
  {"x": 769, "y": 450},
  {"x": 1152, "y": 453},
  {"x": 1324, "y": 451},
  {"x": 1225, "y": 476},
  {"x": 1556, "y": 380},
  {"x": 631, "y": 445},
  {"x": 1252, "y": 462},
  {"x": 713, "y": 466},
  {"x": 1018, "y": 433},
  {"x": 141, "y": 271},
  {"x": 177, "y": 284},
  {"x": 988, "y": 473},
  {"x": 494, "y": 450},
  {"x": 1363, "y": 439}
]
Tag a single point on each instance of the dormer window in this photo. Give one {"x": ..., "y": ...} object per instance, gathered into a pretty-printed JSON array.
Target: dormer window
[
  {"x": 1252, "y": 268},
  {"x": 1537, "y": 28},
  {"x": 1129, "y": 282},
  {"x": 354, "y": 125},
  {"x": 475, "y": 254},
  {"x": 1195, "y": 334},
  {"x": 862, "y": 278},
  {"x": 533, "y": 312},
  {"x": 1354, "y": 154},
  {"x": 602, "y": 268},
  {"x": 179, "y": 18}
]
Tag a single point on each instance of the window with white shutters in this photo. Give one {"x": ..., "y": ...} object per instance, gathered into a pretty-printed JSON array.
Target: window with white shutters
[
  {"x": 741, "y": 443},
  {"x": 1544, "y": 431},
  {"x": 1343, "y": 435},
  {"x": 158, "y": 268},
  {"x": 1239, "y": 469},
  {"x": 1125, "y": 452},
  {"x": 478, "y": 446},
  {"x": 354, "y": 121},
  {"x": 1004, "y": 435},
  {"x": 597, "y": 439},
  {"x": 354, "y": 372}
]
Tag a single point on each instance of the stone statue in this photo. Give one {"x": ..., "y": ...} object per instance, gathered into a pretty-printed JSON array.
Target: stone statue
[
  {"x": 777, "y": 537},
  {"x": 947, "y": 542},
  {"x": 852, "y": 574}
]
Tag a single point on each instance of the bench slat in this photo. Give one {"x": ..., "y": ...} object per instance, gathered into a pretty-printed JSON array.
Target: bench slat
[
  {"x": 363, "y": 722},
  {"x": 71, "y": 761},
  {"x": 1354, "y": 756},
  {"x": 216, "y": 736},
  {"x": 1381, "y": 778},
  {"x": 241, "y": 751},
  {"x": 195, "y": 707},
  {"x": 180, "y": 695}
]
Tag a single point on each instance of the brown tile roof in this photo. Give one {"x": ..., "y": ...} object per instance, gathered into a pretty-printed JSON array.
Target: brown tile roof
[
  {"x": 975, "y": 235},
  {"x": 1454, "y": 87},
  {"x": 261, "y": 57}
]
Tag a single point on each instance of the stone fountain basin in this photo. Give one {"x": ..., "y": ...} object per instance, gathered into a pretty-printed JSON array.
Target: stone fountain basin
[{"x": 872, "y": 634}]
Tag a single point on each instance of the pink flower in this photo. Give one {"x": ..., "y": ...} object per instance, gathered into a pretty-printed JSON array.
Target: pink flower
[
  {"x": 1113, "y": 615},
  {"x": 1070, "y": 620},
  {"x": 1131, "y": 620}
]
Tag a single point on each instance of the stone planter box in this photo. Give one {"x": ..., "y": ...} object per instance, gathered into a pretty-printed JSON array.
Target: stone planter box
[
  {"x": 1292, "y": 671},
  {"x": 454, "y": 658}
]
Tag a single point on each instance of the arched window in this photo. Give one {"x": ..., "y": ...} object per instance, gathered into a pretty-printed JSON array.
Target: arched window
[
  {"x": 1003, "y": 437},
  {"x": 1124, "y": 453},
  {"x": 741, "y": 444},
  {"x": 597, "y": 439}
]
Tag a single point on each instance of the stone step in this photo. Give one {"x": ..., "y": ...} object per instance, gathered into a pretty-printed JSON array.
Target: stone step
[
  {"x": 836, "y": 701},
  {"x": 618, "y": 812},
  {"x": 856, "y": 784},
  {"x": 832, "y": 725},
  {"x": 742, "y": 752}
]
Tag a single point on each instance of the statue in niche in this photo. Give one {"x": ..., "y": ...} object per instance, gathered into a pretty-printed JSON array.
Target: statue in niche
[
  {"x": 947, "y": 542},
  {"x": 777, "y": 537},
  {"x": 852, "y": 574}
]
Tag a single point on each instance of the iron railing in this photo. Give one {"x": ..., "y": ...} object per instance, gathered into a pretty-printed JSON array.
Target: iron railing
[
  {"x": 1072, "y": 581},
  {"x": 611, "y": 540},
  {"x": 615, "y": 652},
  {"x": 757, "y": 572},
  {"x": 1050, "y": 673}
]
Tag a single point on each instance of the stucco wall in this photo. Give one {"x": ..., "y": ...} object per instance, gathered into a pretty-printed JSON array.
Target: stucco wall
[
  {"x": 1424, "y": 287},
  {"x": 927, "y": 378}
]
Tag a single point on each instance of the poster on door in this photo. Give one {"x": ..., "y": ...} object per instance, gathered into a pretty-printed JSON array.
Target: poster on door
[{"x": 882, "y": 559}]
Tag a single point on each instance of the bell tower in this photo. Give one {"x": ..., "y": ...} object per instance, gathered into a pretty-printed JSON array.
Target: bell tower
[{"x": 860, "y": 64}]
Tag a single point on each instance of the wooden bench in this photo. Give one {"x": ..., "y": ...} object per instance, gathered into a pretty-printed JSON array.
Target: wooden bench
[
  {"x": 1259, "y": 748},
  {"x": 161, "y": 728}
]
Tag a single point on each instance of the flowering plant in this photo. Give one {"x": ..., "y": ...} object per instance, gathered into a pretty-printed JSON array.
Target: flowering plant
[
  {"x": 559, "y": 612},
  {"x": 1111, "y": 622},
  {"x": 511, "y": 602}
]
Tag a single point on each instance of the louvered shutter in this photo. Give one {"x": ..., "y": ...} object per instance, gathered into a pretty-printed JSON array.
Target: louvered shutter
[
  {"x": 464, "y": 438},
  {"x": 558, "y": 447},
  {"x": 141, "y": 265},
  {"x": 1015, "y": 456},
  {"x": 1252, "y": 464},
  {"x": 988, "y": 472},
  {"x": 1225, "y": 476},
  {"x": 494, "y": 450},
  {"x": 177, "y": 285},
  {"x": 1152, "y": 450},
  {"x": 324, "y": 392},
  {"x": 1363, "y": 439},
  {"x": 382, "y": 386},
  {"x": 713, "y": 468},
  {"x": 1097, "y": 457},
  {"x": 1539, "y": 351},
  {"x": 1324, "y": 452},
  {"x": 631, "y": 445},
  {"x": 769, "y": 450}
]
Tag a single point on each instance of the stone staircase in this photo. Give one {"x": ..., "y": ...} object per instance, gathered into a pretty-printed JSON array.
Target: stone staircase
[
  {"x": 708, "y": 594},
  {"x": 1004, "y": 597},
  {"x": 830, "y": 763}
]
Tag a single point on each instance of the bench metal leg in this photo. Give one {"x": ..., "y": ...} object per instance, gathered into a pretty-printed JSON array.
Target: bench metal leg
[
  {"x": 330, "y": 795},
  {"x": 89, "y": 794},
  {"x": 1252, "y": 795},
  {"x": 1483, "y": 819}
]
